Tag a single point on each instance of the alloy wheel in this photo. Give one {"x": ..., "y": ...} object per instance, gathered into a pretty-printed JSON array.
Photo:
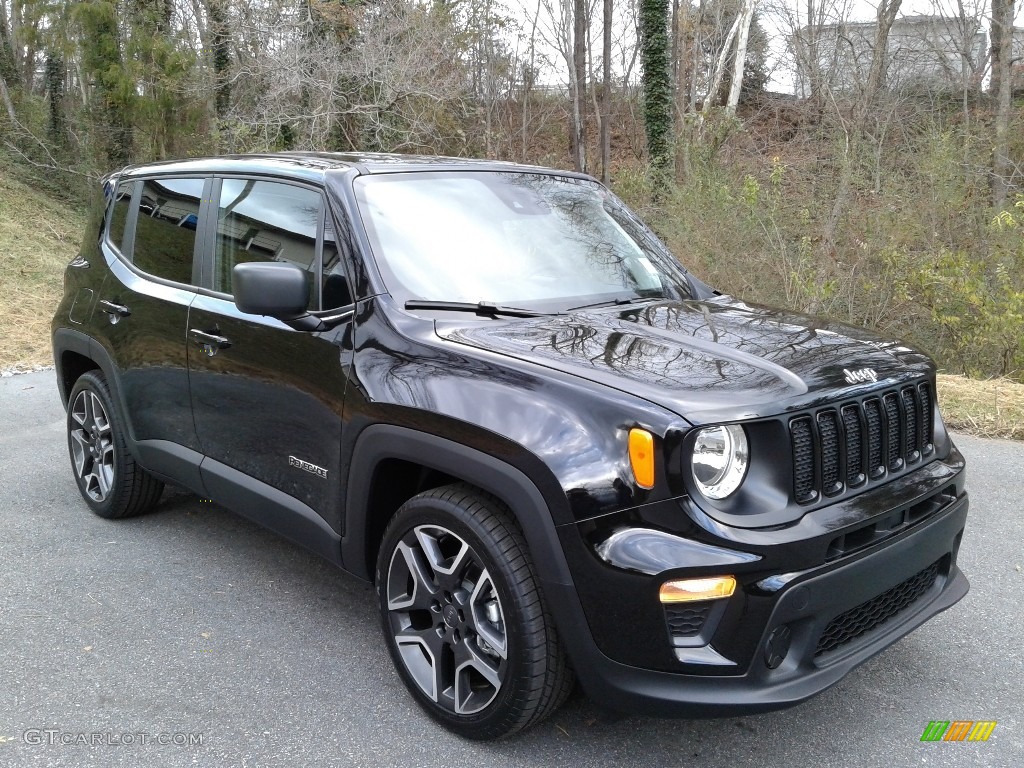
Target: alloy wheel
[
  {"x": 447, "y": 620},
  {"x": 92, "y": 445}
]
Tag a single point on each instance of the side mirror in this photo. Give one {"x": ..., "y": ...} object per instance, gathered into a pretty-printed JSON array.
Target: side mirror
[{"x": 274, "y": 289}]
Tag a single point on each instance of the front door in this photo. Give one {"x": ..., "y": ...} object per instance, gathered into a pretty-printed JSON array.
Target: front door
[{"x": 267, "y": 400}]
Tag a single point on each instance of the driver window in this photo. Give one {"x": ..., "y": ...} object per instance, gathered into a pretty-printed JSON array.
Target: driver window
[{"x": 266, "y": 221}]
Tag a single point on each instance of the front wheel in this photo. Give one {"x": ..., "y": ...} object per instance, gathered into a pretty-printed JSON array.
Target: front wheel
[{"x": 463, "y": 617}]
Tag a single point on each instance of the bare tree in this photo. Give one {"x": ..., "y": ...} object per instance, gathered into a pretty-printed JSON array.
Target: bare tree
[
  {"x": 719, "y": 71},
  {"x": 393, "y": 88},
  {"x": 559, "y": 30},
  {"x": 745, "y": 17},
  {"x": 1003, "y": 12},
  {"x": 9, "y": 78},
  {"x": 606, "y": 92},
  {"x": 579, "y": 55},
  {"x": 884, "y": 18}
]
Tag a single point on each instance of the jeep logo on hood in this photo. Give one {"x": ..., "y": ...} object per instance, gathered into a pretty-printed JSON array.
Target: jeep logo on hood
[{"x": 860, "y": 375}]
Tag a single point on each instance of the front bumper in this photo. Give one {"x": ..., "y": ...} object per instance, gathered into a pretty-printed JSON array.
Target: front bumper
[{"x": 828, "y": 615}]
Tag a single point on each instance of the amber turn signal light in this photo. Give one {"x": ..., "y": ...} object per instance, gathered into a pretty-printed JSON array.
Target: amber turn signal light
[
  {"x": 691, "y": 590},
  {"x": 641, "y": 456}
]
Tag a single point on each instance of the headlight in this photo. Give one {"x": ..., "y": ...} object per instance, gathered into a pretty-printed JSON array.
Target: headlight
[{"x": 720, "y": 458}]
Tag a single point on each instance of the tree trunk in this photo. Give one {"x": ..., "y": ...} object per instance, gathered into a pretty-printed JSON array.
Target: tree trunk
[
  {"x": 5, "y": 97},
  {"x": 657, "y": 87},
  {"x": 528, "y": 79},
  {"x": 26, "y": 39},
  {"x": 579, "y": 56},
  {"x": 719, "y": 71},
  {"x": 1000, "y": 46},
  {"x": 220, "y": 38},
  {"x": 966, "y": 63},
  {"x": 606, "y": 95},
  {"x": 9, "y": 79},
  {"x": 1002, "y": 78},
  {"x": 745, "y": 17},
  {"x": 682, "y": 65},
  {"x": 813, "y": 62},
  {"x": 55, "y": 74}
]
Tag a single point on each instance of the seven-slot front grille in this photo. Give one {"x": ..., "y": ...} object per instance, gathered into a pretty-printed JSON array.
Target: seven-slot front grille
[{"x": 860, "y": 441}]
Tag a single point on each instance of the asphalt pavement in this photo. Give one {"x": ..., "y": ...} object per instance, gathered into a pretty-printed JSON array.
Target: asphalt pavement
[{"x": 192, "y": 637}]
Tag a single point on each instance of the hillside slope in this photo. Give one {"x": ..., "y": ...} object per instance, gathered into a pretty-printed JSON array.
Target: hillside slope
[{"x": 38, "y": 237}]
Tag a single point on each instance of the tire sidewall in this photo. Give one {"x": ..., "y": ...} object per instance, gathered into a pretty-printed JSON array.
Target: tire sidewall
[{"x": 494, "y": 720}]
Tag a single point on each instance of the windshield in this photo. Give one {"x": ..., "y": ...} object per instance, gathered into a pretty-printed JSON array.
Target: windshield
[{"x": 516, "y": 239}]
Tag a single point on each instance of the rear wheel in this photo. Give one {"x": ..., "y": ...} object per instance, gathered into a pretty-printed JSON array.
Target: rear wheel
[
  {"x": 109, "y": 479},
  {"x": 463, "y": 617}
]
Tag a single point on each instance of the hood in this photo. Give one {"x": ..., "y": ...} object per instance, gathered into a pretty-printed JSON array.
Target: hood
[{"x": 714, "y": 360}]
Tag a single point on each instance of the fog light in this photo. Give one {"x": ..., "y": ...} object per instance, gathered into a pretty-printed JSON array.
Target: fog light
[{"x": 690, "y": 590}]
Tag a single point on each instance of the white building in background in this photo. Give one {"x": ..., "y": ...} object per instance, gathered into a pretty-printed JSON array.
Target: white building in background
[{"x": 924, "y": 52}]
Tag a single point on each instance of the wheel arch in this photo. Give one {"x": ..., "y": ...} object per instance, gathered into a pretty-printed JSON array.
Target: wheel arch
[
  {"x": 71, "y": 367},
  {"x": 75, "y": 353},
  {"x": 373, "y": 497}
]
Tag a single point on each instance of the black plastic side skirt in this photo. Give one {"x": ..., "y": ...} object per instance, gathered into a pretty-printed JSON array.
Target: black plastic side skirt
[
  {"x": 271, "y": 508},
  {"x": 242, "y": 494}
]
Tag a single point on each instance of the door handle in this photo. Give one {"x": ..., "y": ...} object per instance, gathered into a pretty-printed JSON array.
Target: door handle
[
  {"x": 209, "y": 342},
  {"x": 114, "y": 311}
]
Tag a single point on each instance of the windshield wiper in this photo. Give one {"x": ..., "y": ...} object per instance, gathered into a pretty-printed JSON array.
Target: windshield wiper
[
  {"x": 481, "y": 308},
  {"x": 621, "y": 300}
]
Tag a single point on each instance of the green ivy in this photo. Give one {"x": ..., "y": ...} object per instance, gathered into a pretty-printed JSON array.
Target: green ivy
[{"x": 657, "y": 87}]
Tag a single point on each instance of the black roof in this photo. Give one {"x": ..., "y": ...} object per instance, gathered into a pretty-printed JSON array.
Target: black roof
[{"x": 314, "y": 165}]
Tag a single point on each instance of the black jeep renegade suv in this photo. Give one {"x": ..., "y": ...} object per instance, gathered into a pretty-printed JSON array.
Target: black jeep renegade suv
[{"x": 489, "y": 389}]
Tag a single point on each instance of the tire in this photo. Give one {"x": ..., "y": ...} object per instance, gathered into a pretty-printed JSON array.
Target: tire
[
  {"x": 463, "y": 617},
  {"x": 108, "y": 477}
]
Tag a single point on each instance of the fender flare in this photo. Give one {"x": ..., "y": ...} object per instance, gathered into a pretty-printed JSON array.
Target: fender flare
[
  {"x": 379, "y": 442},
  {"x": 70, "y": 340}
]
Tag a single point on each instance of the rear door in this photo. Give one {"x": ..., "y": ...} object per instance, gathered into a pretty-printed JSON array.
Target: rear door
[
  {"x": 267, "y": 399},
  {"x": 144, "y": 303}
]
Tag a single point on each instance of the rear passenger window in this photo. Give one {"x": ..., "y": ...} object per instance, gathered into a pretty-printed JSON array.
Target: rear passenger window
[
  {"x": 266, "y": 221},
  {"x": 165, "y": 232},
  {"x": 119, "y": 214}
]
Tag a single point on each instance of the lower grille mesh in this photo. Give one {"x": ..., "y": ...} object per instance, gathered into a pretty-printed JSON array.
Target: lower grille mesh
[
  {"x": 866, "y": 616},
  {"x": 686, "y": 621}
]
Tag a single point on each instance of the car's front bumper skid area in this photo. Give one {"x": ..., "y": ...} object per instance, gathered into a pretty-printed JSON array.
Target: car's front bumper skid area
[{"x": 804, "y": 604}]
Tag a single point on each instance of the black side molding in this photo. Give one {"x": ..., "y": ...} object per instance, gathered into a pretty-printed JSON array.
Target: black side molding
[{"x": 271, "y": 508}]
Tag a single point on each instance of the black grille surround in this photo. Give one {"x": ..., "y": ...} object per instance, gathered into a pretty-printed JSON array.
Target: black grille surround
[
  {"x": 861, "y": 442},
  {"x": 860, "y": 620}
]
